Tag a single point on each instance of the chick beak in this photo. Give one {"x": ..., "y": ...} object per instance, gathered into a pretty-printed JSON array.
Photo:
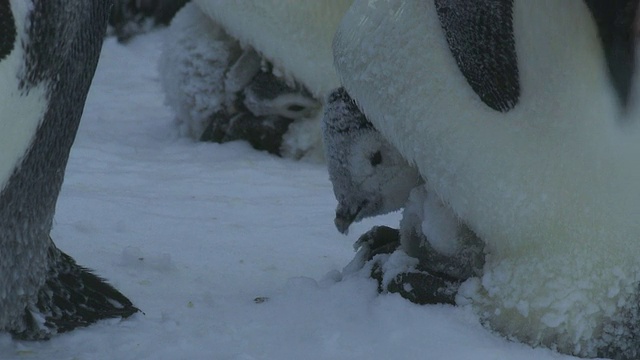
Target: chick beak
[{"x": 345, "y": 216}]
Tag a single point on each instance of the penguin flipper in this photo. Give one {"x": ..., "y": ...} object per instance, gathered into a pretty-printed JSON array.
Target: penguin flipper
[
  {"x": 71, "y": 297},
  {"x": 480, "y": 37}
]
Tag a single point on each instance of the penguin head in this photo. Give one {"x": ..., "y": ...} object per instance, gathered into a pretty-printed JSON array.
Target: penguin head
[
  {"x": 368, "y": 174},
  {"x": 267, "y": 94}
]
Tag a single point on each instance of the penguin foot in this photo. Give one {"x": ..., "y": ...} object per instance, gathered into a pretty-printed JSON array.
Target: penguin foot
[
  {"x": 71, "y": 297},
  {"x": 419, "y": 286},
  {"x": 378, "y": 240}
]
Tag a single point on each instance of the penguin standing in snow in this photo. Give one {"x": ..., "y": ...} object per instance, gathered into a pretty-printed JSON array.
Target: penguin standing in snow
[
  {"x": 522, "y": 116},
  {"x": 49, "y": 50}
]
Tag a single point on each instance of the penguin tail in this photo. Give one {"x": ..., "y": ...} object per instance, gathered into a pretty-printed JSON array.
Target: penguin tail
[{"x": 72, "y": 297}]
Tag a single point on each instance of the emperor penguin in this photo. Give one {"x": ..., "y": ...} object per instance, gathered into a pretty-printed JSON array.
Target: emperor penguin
[
  {"x": 49, "y": 50},
  {"x": 523, "y": 117}
]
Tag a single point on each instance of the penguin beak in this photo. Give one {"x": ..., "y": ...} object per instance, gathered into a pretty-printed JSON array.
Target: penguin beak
[{"x": 345, "y": 216}]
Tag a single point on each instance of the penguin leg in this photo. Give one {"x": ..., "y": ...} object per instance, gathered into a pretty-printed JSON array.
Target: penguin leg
[{"x": 71, "y": 297}]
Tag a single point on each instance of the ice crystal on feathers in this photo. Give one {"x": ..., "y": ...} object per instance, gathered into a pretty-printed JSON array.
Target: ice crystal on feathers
[
  {"x": 192, "y": 66},
  {"x": 224, "y": 91}
]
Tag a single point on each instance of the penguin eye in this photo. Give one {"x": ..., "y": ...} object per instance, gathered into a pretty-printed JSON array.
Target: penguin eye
[
  {"x": 295, "y": 108},
  {"x": 376, "y": 158}
]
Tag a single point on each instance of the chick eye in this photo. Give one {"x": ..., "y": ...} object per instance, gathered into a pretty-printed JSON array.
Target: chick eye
[
  {"x": 376, "y": 158},
  {"x": 295, "y": 108}
]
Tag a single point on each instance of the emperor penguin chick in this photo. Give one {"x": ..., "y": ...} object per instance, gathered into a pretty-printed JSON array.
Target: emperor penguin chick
[
  {"x": 368, "y": 174},
  {"x": 370, "y": 178}
]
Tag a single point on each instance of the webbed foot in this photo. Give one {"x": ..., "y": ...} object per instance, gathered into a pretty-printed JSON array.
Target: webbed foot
[
  {"x": 71, "y": 297},
  {"x": 423, "y": 288},
  {"x": 418, "y": 285}
]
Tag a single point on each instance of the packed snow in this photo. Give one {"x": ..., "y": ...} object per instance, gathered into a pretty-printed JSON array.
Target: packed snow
[{"x": 229, "y": 252}]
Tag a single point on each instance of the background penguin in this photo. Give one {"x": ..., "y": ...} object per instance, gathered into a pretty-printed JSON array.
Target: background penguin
[
  {"x": 222, "y": 91},
  {"x": 261, "y": 111},
  {"x": 529, "y": 134},
  {"x": 206, "y": 38},
  {"x": 48, "y": 53}
]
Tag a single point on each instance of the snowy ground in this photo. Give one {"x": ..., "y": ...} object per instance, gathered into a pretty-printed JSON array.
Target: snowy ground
[{"x": 192, "y": 233}]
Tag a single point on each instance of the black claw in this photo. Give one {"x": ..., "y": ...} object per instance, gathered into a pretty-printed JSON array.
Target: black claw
[{"x": 378, "y": 275}]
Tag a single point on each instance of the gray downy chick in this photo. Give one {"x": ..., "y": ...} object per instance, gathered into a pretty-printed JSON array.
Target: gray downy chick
[{"x": 368, "y": 174}]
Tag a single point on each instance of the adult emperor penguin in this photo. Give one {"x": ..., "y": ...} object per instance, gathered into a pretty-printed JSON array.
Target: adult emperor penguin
[
  {"x": 522, "y": 116},
  {"x": 48, "y": 53}
]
